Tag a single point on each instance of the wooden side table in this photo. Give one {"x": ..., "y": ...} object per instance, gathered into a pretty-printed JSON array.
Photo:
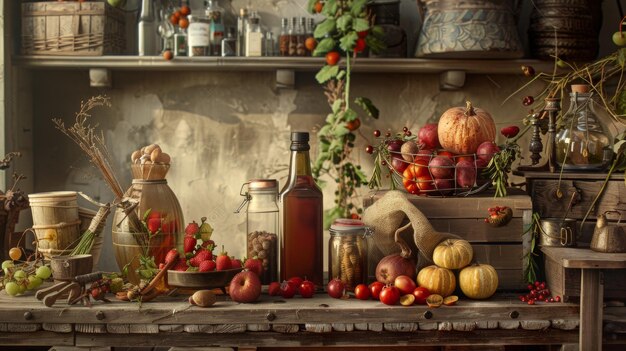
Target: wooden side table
[{"x": 591, "y": 264}]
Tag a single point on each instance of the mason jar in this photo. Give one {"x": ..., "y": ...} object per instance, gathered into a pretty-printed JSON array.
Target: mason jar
[
  {"x": 262, "y": 218},
  {"x": 198, "y": 36},
  {"x": 347, "y": 252}
]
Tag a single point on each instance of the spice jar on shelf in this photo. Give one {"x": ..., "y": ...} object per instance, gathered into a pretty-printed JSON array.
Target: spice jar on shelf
[
  {"x": 262, "y": 219},
  {"x": 198, "y": 36},
  {"x": 583, "y": 141},
  {"x": 347, "y": 252}
]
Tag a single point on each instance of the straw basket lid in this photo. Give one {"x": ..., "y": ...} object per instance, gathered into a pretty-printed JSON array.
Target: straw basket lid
[{"x": 52, "y": 194}]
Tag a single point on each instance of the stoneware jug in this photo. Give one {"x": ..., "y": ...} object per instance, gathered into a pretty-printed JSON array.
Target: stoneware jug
[
  {"x": 468, "y": 29},
  {"x": 608, "y": 237}
]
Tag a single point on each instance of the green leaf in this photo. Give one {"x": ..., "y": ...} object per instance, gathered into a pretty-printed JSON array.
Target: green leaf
[
  {"x": 619, "y": 147},
  {"x": 346, "y": 43},
  {"x": 310, "y": 7},
  {"x": 342, "y": 73},
  {"x": 330, "y": 8},
  {"x": 367, "y": 105},
  {"x": 331, "y": 215},
  {"x": 337, "y": 105},
  {"x": 325, "y": 28},
  {"x": 343, "y": 22},
  {"x": 327, "y": 73},
  {"x": 330, "y": 119},
  {"x": 360, "y": 25},
  {"x": 358, "y": 7},
  {"x": 324, "y": 46},
  {"x": 323, "y": 131},
  {"x": 378, "y": 31},
  {"x": 350, "y": 115},
  {"x": 375, "y": 44},
  {"x": 621, "y": 57},
  {"x": 146, "y": 214},
  {"x": 341, "y": 131}
]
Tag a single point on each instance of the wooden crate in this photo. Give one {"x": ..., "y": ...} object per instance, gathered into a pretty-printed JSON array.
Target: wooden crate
[
  {"x": 502, "y": 247},
  {"x": 90, "y": 28}
]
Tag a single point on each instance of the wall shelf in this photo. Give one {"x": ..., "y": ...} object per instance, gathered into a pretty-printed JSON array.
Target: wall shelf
[{"x": 372, "y": 65}]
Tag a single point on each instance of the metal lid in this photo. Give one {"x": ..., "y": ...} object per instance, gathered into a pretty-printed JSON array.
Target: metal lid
[
  {"x": 581, "y": 88},
  {"x": 262, "y": 184},
  {"x": 348, "y": 226}
]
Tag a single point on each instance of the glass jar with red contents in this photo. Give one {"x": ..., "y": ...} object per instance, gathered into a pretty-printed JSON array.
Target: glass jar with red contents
[{"x": 347, "y": 252}]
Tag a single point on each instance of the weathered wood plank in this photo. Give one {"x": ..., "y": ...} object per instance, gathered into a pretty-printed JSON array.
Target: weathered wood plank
[
  {"x": 376, "y": 327},
  {"x": 318, "y": 327},
  {"x": 3, "y": 327},
  {"x": 23, "y": 327},
  {"x": 39, "y": 338},
  {"x": 58, "y": 327},
  {"x": 144, "y": 329},
  {"x": 198, "y": 328},
  {"x": 585, "y": 258},
  {"x": 171, "y": 328},
  {"x": 258, "y": 327},
  {"x": 464, "y": 326},
  {"x": 343, "y": 327},
  {"x": 229, "y": 328},
  {"x": 428, "y": 325},
  {"x": 565, "y": 324},
  {"x": 361, "y": 326},
  {"x": 444, "y": 326},
  {"x": 475, "y": 230},
  {"x": 508, "y": 325},
  {"x": 535, "y": 325},
  {"x": 499, "y": 256},
  {"x": 286, "y": 328},
  {"x": 400, "y": 327},
  {"x": 353, "y": 339},
  {"x": 118, "y": 328},
  {"x": 487, "y": 324},
  {"x": 90, "y": 328}
]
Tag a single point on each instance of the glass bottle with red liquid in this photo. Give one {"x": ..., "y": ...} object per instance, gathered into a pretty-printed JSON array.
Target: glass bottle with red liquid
[{"x": 301, "y": 252}]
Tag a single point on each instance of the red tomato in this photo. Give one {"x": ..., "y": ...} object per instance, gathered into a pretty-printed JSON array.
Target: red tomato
[
  {"x": 360, "y": 45},
  {"x": 353, "y": 125},
  {"x": 287, "y": 290},
  {"x": 307, "y": 289},
  {"x": 318, "y": 7},
  {"x": 421, "y": 294},
  {"x": 375, "y": 289},
  {"x": 390, "y": 295},
  {"x": 332, "y": 58},
  {"x": 295, "y": 281},
  {"x": 425, "y": 183},
  {"x": 363, "y": 34},
  {"x": 413, "y": 173},
  {"x": 362, "y": 292}
]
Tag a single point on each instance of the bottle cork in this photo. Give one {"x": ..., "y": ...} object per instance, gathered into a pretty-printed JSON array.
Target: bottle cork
[{"x": 580, "y": 88}]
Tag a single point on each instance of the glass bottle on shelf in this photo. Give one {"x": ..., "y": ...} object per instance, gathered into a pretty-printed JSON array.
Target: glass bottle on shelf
[
  {"x": 310, "y": 28},
  {"x": 242, "y": 24},
  {"x": 270, "y": 45},
  {"x": 180, "y": 42},
  {"x": 301, "y": 37},
  {"x": 216, "y": 30},
  {"x": 147, "y": 29},
  {"x": 583, "y": 142},
  {"x": 262, "y": 224},
  {"x": 254, "y": 36},
  {"x": 283, "y": 39},
  {"x": 293, "y": 37},
  {"x": 301, "y": 247},
  {"x": 229, "y": 44},
  {"x": 198, "y": 36}
]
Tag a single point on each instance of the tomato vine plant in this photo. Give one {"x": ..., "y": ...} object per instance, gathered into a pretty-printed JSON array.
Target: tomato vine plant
[{"x": 346, "y": 31}]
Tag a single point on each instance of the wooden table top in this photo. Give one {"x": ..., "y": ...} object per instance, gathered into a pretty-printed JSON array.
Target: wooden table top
[{"x": 585, "y": 258}]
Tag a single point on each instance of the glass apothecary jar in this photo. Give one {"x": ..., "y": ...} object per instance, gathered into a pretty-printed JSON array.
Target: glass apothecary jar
[
  {"x": 262, "y": 218},
  {"x": 198, "y": 36},
  {"x": 347, "y": 252},
  {"x": 583, "y": 142}
]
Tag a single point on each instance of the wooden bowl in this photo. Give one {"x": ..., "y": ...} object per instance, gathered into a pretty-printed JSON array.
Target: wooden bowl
[
  {"x": 65, "y": 268},
  {"x": 201, "y": 280}
]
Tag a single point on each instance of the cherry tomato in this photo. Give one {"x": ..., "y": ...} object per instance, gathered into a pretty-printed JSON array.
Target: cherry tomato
[
  {"x": 295, "y": 281},
  {"x": 360, "y": 45},
  {"x": 318, "y": 7},
  {"x": 310, "y": 43},
  {"x": 390, "y": 295},
  {"x": 353, "y": 125},
  {"x": 421, "y": 294},
  {"x": 167, "y": 55},
  {"x": 362, "y": 292},
  {"x": 336, "y": 288},
  {"x": 332, "y": 58},
  {"x": 375, "y": 289},
  {"x": 287, "y": 290},
  {"x": 274, "y": 289},
  {"x": 307, "y": 289},
  {"x": 363, "y": 34},
  {"x": 185, "y": 10}
]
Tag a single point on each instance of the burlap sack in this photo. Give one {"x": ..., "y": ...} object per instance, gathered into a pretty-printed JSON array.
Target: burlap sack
[{"x": 386, "y": 216}]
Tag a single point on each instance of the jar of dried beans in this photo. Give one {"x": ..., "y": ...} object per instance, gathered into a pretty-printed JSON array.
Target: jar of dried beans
[
  {"x": 262, "y": 218},
  {"x": 347, "y": 250}
]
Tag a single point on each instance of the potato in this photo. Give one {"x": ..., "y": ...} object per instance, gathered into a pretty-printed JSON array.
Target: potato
[
  {"x": 134, "y": 157},
  {"x": 150, "y": 148},
  {"x": 203, "y": 298},
  {"x": 163, "y": 158},
  {"x": 154, "y": 155}
]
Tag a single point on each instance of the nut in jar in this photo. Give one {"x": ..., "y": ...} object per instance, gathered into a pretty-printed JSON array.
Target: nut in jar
[{"x": 348, "y": 252}]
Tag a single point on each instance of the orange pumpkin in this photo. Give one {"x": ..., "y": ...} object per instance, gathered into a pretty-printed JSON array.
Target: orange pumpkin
[
  {"x": 462, "y": 130},
  {"x": 437, "y": 280}
]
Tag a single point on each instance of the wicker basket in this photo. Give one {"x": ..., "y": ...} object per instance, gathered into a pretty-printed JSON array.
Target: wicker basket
[{"x": 90, "y": 28}]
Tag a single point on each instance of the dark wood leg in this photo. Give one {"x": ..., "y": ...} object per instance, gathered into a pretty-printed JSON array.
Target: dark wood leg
[{"x": 591, "y": 296}]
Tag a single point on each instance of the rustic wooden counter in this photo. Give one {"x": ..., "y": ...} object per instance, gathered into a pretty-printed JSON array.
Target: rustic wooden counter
[{"x": 170, "y": 321}]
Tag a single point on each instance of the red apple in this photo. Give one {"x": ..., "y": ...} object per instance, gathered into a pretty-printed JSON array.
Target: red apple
[
  {"x": 428, "y": 136},
  {"x": 486, "y": 150},
  {"x": 245, "y": 287},
  {"x": 465, "y": 174},
  {"x": 399, "y": 164},
  {"x": 444, "y": 186},
  {"x": 405, "y": 284},
  {"x": 394, "y": 147},
  {"x": 446, "y": 154},
  {"x": 441, "y": 167},
  {"x": 458, "y": 159},
  {"x": 424, "y": 155},
  {"x": 421, "y": 294}
]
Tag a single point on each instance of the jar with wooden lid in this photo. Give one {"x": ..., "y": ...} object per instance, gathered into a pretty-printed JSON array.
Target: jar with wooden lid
[{"x": 347, "y": 252}]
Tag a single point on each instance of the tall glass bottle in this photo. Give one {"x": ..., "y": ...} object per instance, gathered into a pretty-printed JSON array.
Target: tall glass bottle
[
  {"x": 254, "y": 36},
  {"x": 302, "y": 217},
  {"x": 147, "y": 29},
  {"x": 216, "y": 30},
  {"x": 301, "y": 37},
  {"x": 583, "y": 141},
  {"x": 293, "y": 36},
  {"x": 242, "y": 24},
  {"x": 283, "y": 39}
]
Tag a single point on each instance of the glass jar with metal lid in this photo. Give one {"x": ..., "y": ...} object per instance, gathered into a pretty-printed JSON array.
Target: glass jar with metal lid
[
  {"x": 347, "y": 252},
  {"x": 198, "y": 36},
  {"x": 262, "y": 220}
]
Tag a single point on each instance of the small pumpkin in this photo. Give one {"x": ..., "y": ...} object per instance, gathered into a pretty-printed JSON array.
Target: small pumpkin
[
  {"x": 437, "y": 280},
  {"x": 478, "y": 281},
  {"x": 462, "y": 130},
  {"x": 453, "y": 254}
]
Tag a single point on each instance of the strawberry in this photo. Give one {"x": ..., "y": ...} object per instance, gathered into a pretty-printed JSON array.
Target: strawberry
[
  {"x": 235, "y": 263},
  {"x": 192, "y": 229},
  {"x": 206, "y": 266},
  {"x": 189, "y": 244},
  {"x": 255, "y": 265},
  {"x": 171, "y": 255},
  {"x": 154, "y": 225},
  {"x": 201, "y": 256},
  {"x": 209, "y": 245},
  {"x": 154, "y": 214},
  {"x": 273, "y": 289},
  {"x": 181, "y": 265},
  {"x": 222, "y": 261},
  {"x": 510, "y": 131}
]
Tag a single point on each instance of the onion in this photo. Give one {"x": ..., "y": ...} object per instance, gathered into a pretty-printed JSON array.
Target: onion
[{"x": 393, "y": 266}]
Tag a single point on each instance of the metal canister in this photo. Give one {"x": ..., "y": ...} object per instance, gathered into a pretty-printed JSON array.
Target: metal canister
[{"x": 347, "y": 252}]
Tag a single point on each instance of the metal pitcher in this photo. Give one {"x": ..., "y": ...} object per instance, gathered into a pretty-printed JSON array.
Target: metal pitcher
[
  {"x": 608, "y": 237},
  {"x": 468, "y": 29},
  {"x": 558, "y": 232}
]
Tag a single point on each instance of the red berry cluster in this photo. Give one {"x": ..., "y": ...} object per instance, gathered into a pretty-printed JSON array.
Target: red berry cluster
[{"x": 538, "y": 292}]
